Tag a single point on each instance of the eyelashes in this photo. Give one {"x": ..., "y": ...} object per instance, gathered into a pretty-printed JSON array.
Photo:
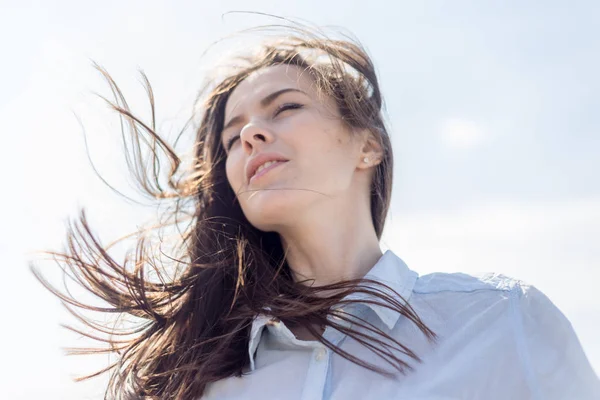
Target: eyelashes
[
  {"x": 278, "y": 110},
  {"x": 287, "y": 106}
]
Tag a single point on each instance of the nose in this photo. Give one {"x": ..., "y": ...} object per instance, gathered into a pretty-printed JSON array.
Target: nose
[{"x": 253, "y": 135}]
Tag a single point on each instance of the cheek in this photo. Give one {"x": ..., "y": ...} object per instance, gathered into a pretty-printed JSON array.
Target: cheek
[
  {"x": 234, "y": 172},
  {"x": 328, "y": 141},
  {"x": 328, "y": 158},
  {"x": 314, "y": 132}
]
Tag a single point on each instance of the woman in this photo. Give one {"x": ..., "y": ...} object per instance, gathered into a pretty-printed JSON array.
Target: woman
[{"x": 278, "y": 288}]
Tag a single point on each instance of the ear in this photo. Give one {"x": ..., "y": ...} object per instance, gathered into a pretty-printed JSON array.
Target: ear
[{"x": 371, "y": 149}]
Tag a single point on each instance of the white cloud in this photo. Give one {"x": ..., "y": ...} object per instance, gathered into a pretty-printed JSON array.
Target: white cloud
[{"x": 461, "y": 133}]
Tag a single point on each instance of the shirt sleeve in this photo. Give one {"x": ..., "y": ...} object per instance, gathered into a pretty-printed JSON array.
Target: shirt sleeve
[{"x": 552, "y": 356}]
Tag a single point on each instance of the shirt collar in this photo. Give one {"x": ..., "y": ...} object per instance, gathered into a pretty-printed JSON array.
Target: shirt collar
[{"x": 389, "y": 269}]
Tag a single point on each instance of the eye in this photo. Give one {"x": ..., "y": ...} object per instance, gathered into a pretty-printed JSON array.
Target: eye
[
  {"x": 279, "y": 110},
  {"x": 287, "y": 106},
  {"x": 230, "y": 141}
]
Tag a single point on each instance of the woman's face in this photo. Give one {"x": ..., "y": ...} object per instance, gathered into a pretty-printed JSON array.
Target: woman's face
[{"x": 278, "y": 111}]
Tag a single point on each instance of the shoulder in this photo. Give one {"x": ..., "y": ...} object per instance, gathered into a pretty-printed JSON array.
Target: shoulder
[
  {"x": 487, "y": 300},
  {"x": 526, "y": 304},
  {"x": 529, "y": 311},
  {"x": 468, "y": 296},
  {"x": 464, "y": 283}
]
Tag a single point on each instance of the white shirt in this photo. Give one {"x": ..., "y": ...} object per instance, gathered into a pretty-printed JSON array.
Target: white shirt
[{"x": 499, "y": 338}]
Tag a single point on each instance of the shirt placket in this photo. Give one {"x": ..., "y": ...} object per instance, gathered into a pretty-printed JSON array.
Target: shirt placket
[
  {"x": 318, "y": 368},
  {"x": 316, "y": 376},
  {"x": 320, "y": 363}
]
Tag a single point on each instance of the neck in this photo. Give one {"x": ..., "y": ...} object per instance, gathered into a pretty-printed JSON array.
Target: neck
[{"x": 343, "y": 245}]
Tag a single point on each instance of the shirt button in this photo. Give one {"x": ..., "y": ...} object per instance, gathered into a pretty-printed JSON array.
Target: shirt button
[{"x": 320, "y": 354}]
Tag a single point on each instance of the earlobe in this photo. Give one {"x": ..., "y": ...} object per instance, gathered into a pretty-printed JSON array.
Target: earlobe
[
  {"x": 372, "y": 153},
  {"x": 371, "y": 160}
]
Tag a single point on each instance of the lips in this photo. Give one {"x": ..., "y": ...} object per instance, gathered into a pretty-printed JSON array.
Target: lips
[
  {"x": 259, "y": 160},
  {"x": 262, "y": 171}
]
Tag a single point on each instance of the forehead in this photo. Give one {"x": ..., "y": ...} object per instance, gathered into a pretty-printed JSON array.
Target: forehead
[{"x": 265, "y": 81}]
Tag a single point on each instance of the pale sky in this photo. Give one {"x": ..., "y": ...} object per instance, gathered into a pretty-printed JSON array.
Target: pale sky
[{"x": 493, "y": 110}]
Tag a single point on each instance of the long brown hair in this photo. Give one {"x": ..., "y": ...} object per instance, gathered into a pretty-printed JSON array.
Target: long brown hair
[{"x": 194, "y": 314}]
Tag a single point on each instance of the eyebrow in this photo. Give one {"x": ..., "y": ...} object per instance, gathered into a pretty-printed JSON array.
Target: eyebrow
[{"x": 265, "y": 102}]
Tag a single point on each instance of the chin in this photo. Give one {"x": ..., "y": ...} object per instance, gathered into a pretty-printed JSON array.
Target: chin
[
  {"x": 267, "y": 219},
  {"x": 276, "y": 206},
  {"x": 267, "y": 210}
]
